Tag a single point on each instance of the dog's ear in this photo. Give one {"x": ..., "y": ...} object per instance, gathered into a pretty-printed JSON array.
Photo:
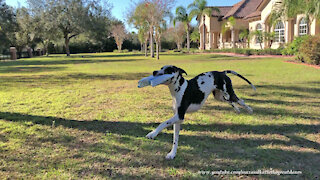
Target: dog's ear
[{"x": 181, "y": 71}]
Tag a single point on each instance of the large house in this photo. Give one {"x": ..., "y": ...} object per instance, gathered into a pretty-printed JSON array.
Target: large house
[{"x": 251, "y": 15}]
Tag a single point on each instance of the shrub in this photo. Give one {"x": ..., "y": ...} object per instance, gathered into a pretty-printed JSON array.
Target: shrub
[
  {"x": 192, "y": 50},
  {"x": 121, "y": 51},
  {"x": 310, "y": 50},
  {"x": 273, "y": 51},
  {"x": 247, "y": 52},
  {"x": 136, "y": 51},
  {"x": 293, "y": 48}
]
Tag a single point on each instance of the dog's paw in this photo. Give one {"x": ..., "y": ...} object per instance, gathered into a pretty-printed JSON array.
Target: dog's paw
[
  {"x": 151, "y": 135},
  {"x": 237, "y": 110},
  {"x": 250, "y": 111},
  {"x": 171, "y": 155}
]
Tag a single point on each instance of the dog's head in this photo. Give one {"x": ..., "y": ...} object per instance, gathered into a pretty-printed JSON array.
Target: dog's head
[{"x": 169, "y": 69}]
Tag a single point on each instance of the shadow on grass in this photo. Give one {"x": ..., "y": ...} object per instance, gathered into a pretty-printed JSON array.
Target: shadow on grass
[
  {"x": 264, "y": 111},
  {"x": 67, "y": 78},
  {"x": 240, "y": 150},
  {"x": 64, "y": 61},
  {"x": 277, "y": 107},
  {"x": 29, "y": 69},
  {"x": 282, "y": 102},
  {"x": 138, "y": 129},
  {"x": 297, "y": 88}
]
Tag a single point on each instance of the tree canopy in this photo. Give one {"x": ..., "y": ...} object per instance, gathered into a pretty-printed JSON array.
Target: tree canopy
[{"x": 8, "y": 25}]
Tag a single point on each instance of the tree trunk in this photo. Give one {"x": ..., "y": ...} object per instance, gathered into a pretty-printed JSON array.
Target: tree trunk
[
  {"x": 271, "y": 41},
  {"x": 233, "y": 38},
  {"x": 19, "y": 53},
  {"x": 141, "y": 47},
  {"x": 29, "y": 52},
  {"x": 157, "y": 48},
  {"x": 66, "y": 41},
  {"x": 188, "y": 38},
  {"x": 47, "y": 51},
  {"x": 151, "y": 43},
  {"x": 146, "y": 48},
  {"x": 204, "y": 34},
  {"x": 45, "y": 45},
  {"x": 223, "y": 43}
]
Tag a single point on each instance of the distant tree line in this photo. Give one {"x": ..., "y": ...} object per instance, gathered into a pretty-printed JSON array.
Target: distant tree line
[
  {"x": 150, "y": 18},
  {"x": 76, "y": 26}
]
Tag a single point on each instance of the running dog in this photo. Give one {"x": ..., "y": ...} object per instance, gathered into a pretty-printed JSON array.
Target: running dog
[{"x": 190, "y": 95}]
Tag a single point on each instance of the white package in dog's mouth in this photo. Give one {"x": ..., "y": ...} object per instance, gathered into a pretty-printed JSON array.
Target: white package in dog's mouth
[
  {"x": 160, "y": 79},
  {"x": 154, "y": 80},
  {"x": 145, "y": 81}
]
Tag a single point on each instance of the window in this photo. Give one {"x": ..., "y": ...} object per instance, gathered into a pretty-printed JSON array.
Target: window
[
  {"x": 303, "y": 27},
  {"x": 279, "y": 32},
  {"x": 259, "y": 38}
]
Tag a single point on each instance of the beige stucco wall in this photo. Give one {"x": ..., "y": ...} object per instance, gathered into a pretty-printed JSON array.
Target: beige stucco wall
[
  {"x": 313, "y": 29},
  {"x": 253, "y": 27},
  {"x": 291, "y": 28},
  {"x": 215, "y": 25},
  {"x": 265, "y": 13}
]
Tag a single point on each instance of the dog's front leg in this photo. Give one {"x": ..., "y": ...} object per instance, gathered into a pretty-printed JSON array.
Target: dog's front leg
[
  {"x": 173, "y": 152},
  {"x": 163, "y": 125}
]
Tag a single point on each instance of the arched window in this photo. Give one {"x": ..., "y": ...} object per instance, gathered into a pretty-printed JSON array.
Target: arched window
[
  {"x": 259, "y": 38},
  {"x": 279, "y": 32},
  {"x": 303, "y": 27}
]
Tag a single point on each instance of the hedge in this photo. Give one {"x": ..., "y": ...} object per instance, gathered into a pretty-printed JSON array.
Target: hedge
[{"x": 249, "y": 52}]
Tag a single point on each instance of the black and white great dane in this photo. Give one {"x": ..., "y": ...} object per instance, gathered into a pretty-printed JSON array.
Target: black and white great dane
[{"x": 190, "y": 95}]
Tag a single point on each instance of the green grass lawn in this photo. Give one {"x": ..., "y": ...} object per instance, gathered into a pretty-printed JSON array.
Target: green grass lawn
[{"x": 84, "y": 117}]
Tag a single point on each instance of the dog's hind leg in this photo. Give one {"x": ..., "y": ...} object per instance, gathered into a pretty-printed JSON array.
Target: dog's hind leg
[
  {"x": 241, "y": 103},
  {"x": 235, "y": 107},
  {"x": 163, "y": 125},
  {"x": 176, "y": 130}
]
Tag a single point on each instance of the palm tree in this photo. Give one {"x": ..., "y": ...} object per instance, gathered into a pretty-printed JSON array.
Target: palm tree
[
  {"x": 245, "y": 36},
  {"x": 229, "y": 25},
  {"x": 160, "y": 28},
  {"x": 195, "y": 36},
  {"x": 185, "y": 18},
  {"x": 200, "y": 9},
  {"x": 259, "y": 37},
  {"x": 269, "y": 37},
  {"x": 143, "y": 36}
]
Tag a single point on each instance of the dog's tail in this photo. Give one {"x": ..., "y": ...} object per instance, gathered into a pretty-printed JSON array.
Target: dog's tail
[{"x": 235, "y": 73}]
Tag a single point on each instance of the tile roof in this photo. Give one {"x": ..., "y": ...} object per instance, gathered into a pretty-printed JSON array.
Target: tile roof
[
  {"x": 252, "y": 15},
  {"x": 243, "y": 8},
  {"x": 223, "y": 11}
]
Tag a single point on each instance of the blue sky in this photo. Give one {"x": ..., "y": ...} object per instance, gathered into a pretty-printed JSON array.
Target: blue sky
[{"x": 120, "y": 7}]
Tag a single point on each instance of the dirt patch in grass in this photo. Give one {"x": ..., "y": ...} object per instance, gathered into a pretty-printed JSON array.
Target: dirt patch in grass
[{"x": 305, "y": 64}]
